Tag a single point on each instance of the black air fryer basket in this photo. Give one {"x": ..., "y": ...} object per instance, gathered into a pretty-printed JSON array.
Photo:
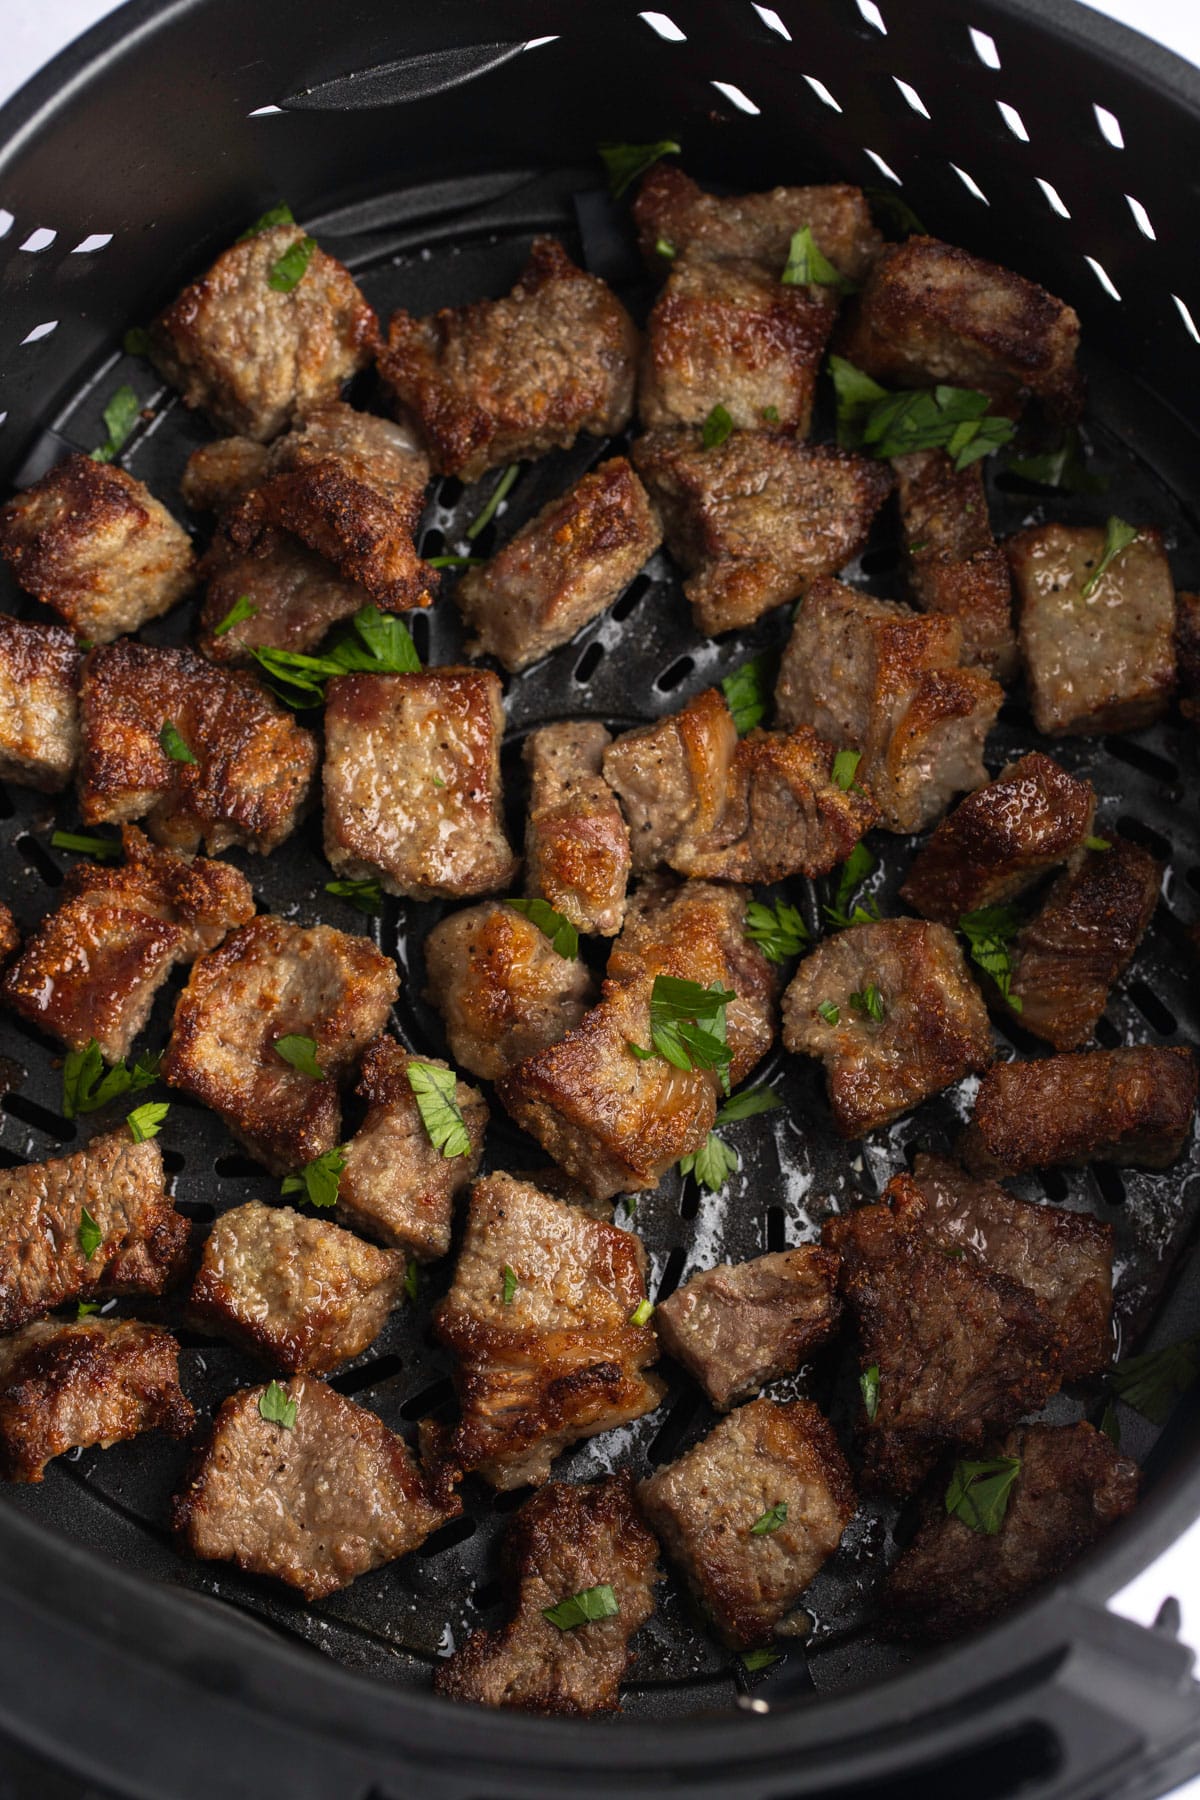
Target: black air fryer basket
[{"x": 425, "y": 144}]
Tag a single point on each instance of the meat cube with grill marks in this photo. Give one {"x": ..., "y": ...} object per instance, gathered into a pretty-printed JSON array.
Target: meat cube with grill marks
[
  {"x": 271, "y": 980},
  {"x": 39, "y": 708},
  {"x": 1187, "y": 653},
  {"x": 902, "y": 1019},
  {"x": 672, "y": 776},
  {"x": 955, "y": 565},
  {"x": 254, "y": 354},
  {"x": 540, "y": 1320},
  {"x": 91, "y": 541},
  {"x": 296, "y": 595},
  {"x": 577, "y": 854},
  {"x": 763, "y": 1460},
  {"x": 740, "y": 1325},
  {"x": 670, "y": 208},
  {"x": 317, "y": 1504},
  {"x": 499, "y": 380},
  {"x": 560, "y": 570},
  {"x": 757, "y": 518}
]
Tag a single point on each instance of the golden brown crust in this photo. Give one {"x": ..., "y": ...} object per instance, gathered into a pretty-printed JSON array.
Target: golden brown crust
[
  {"x": 39, "y": 711},
  {"x": 10, "y": 935},
  {"x": 955, "y": 565},
  {"x": 577, "y": 854},
  {"x": 670, "y": 207},
  {"x": 1187, "y": 653},
  {"x": 220, "y": 473},
  {"x": 296, "y": 596}
]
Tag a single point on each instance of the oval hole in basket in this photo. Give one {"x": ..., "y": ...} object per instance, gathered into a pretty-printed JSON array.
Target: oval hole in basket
[
  {"x": 40, "y": 1117},
  {"x": 1149, "y": 839},
  {"x": 679, "y": 671},
  {"x": 6, "y": 805},
  {"x": 10, "y": 1160},
  {"x": 489, "y": 1595},
  {"x": 1138, "y": 757},
  {"x": 776, "y": 1228},
  {"x": 456, "y": 1532},
  {"x": 1054, "y": 1182},
  {"x": 370, "y": 1374},
  {"x": 629, "y": 599},
  {"x": 672, "y": 1431},
  {"x": 1156, "y": 1012},
  {"x": 589, "y": 662},
  {"x": 672, "y": 1270},
  {"x": 199, "y": 1211},
  {"x": 235, "y": 1166},
  {"x": 418, "y": 630},
  {"x": 429, "y": 1400},
  {"x": 689, "y": 1198},
  {"x": 1111, "y": 1183},
  {"x": 1107, "y": 1035}
]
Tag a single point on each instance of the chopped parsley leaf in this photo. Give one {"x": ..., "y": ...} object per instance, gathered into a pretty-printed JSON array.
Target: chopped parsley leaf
[
  {"x": 712, "y": 1164},
  {"x": 288, "y": 271},
  {"x": 953, "y": 419},
  {"x": 979, "y": 1491},
  {"x": 592, "y": 1603},
  {"x": 435, "y": 1091},
  {"x": 275, "y": 215},
  {"x": 854, "y": 871},
  {"x": 87, "y": 1087},
  {"x": 301, "y": 1053},
  {"x": 499, "y": 493},
  {"x": 89, "y": 1234},
  {"x": 779, "y": 930},
  {"x": 560, "y": 931},
  {"x": 510, "y": 1283},
  {"x": 275, "y": 1407},
  {"x": 687, "y": 1025},
  {"x": 84, "y": 844},
  {"x": 318, "y": 1180},
  {"x": 717, "y": 427},
  {"x": 868, "y": 1381},
  {"x": 1117, "y": 537},
  {"x": 242, "y": 608},
  {"x": 120, "y": 416},
  {"x": 1152, "y": 1382},
  {"x": 747, "y": 690},
  {"x": 364, "y": 894},
  {"x": 807, "y": 263},
  {"x": 625, "y": 162},
  {"x": 989, "y": 933},
  {"x": 830, "y": 1013},
  {"x": 171, "y": 739},
  {"x": 845, "y": 768},
  {"x": 641, "y": 1313},
  {"x": 771, "y": 1520},
  {"x": 870, "y": 1003},
  {"x": 147, "y": 1121}
]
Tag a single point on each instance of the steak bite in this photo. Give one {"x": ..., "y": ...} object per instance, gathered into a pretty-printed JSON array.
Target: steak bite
[
  {"x": 499, "y": 380},
  {"x": 955, "y": 565},
  {"x": 10, "y": 936},
  {"x": 563, "y": 1541},
  {"x": 39, "y": 711},
  {"x": 221, "y": 473},
  {"x": 740, "y": 1325},
  {"x": 577, "y": 855},
  {"x": 540, "y": 1320},
  {"x": 1101, "y": 661},
  {"x": 762, "y": 1461},
  {"x": 91, "y": 541},
  {"x": 254, "y": 352},
  {"x": 1187, "y": 653},
  {"x": 671, "y": 208},
  {"x": 412, "y": 782},
  {"x": 72, "y": 1386},
  {"x": 754, "y": 520},
  {"x": 249, "y": 764},
  {"x": 315, "y": 1504},
  {"x": 269, "y": 981},
  {"x": 671, "y": 777},
  {"x": 296, "y": 596},
  {"x": 893, "y": 1015},
  {"x": 560, "y": 570}
]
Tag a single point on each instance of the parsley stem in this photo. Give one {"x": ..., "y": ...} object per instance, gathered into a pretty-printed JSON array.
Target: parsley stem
[{"x": 499, "y": 492}]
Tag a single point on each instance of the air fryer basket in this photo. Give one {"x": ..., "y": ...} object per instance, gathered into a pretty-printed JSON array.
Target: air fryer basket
[{"x": 425, "y": 145}]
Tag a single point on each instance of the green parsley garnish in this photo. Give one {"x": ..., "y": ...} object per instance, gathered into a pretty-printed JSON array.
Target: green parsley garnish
[
  {"x": 89, "y": 1234},
  {"x": 86, "y": 845},
  {"x": 1064, "y": 467},
  {"x": 771, "y": 1520},
  {"x": 365, "y": 895},
  {"x": 747, "y": 690},
  {"x": 171, "y": 739},
  {"x": 289, "y": 270},
  {"x": 147, "y": 1121},
  {"x": 748, "y": 1104},
  {"x": 1097, "y": 843},
  {"x": 87, "y": 1087},
  {"x": 884, "y": 424},
  {"x": 989, "y": 933},
  {"x": 592, "y": 1603},
  {"x": 1110, "y": 1424},
  {"x": 455, "y": 562},
  {"x": 510, "y": 1283},
  {"x": 379, "y": 645},
  {"x": 687, "y": 1025},
  {"x": 665, "y": 248},
  {"x": 770, "y": 414},
  {"x": 625, "y": 162},
  {"x": 1152, "y": 1382},
  {"x": 1117, "y": 537},
  {"x": 868, "y": 1381},
  {"x": 301, "y": 1053},
  {"x": 978, "y": 1492},
  {"x": 242, "y": 608},
  {"x": 120, "y": 417},
  {"x": 829, "y": 1012},
  {"x": 845, "y": 768},
  {"x": 318, "y": 1180},
  {"x": 779, "y": 930},
  {"x": 276, "y": 215},
  {"x": 753, "y": 1661},
  {"x": 854, "y": 871},
  {"x": 275, "y": 1407},
  {"x": 807, "y": 263},
  {"x": 893, "y": 212},
  {"x": 551, "y": 924},
  {"x": 870, "y": 1003},
  {"x": 85, "y": 1309},
  {"x": 641, "y": 1313},
  {"x": 412, "y": 1279},
  {"x": 499, "y": 492},
  {"x": 716, "y": 427},
  {"x": 435, "y": 1090},
  {"x": 136, "y": 341},
  {"x": 712, "y": 1164}
]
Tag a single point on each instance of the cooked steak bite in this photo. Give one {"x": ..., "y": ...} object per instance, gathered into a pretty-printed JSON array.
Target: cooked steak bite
[
  {"x": 499, "y": 380},
  {"x": 271, "y": 980},
  {"x": 250, "y": 766},
  {"x": 902, "y": 1019},
  {"x": 1104, "y": 661},
  {"x": 540, "y": 1321},
  {"x": 1000, "y": 839},
  {"x": 143, "y": 1241},
  {"x": 220, "y": 473},
  {"x": 740, "y": 1325},
  {"x": 955, "y": 565},
  {"x": 563, "y": 1541},
  {"x": 10, "y": 936},
  {"x": 577, "y": 854},
  {"x": 412, "y": 782},
  {"x": 1187, "y": 653},
  {"x": 296, "y": 596},
  {"x": 1131, "y": 1106},
  {"x": 396, "y": 1185},
  {"x": 71, "y": 1386},
  {"x": 671, "y": 208},
  {"x": 91, "y": 541},
  {"x": 39, "y": 711},
  {"x": 316, "y": 1504},
  {"x": 671, "y": 777},
  {"x": 253, "y": 354},
  {"x": 1072, "y": 1487},
  {"x": 754, "y": 520},
  {"x": 762, "y": 1461}
]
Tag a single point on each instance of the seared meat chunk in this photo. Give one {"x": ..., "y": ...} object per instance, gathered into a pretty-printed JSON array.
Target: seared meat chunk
[
  {"x": 316, "y": 1504},
  {"x": 1000, "y": 839},
  {"x": 561, "y": 569},
  {"x": 220, "y": 473},
  {"x": 296, "y": 596},
  {"x": 930, "y": 312},
  {"x": 250, "y": 763},
  {"x": 253, "y": 354},
  {"x": 1104, "y": 661},
  {"x": 1072, "y": 1486},
  {"x": 499, "y": 380},
  {"x": 577, "y": 855},
  {"x": 672, "y": 777},
  {"x": 740, "y": 1325},
  {"x": 1187, "y": 653},
  {"x": 501, "y": 987},
  {"x": 412, "y": 782},
  {"x": 39, "y": 712},
  {"x": 540, "y": 1320},
  {"x": 874, "y": 676},
  {"x": 271, "y": 980},
  {"x": 396, "y": 1186},
  {"x": 704, "y": 1507},
  {"x": 92, "y": 968},
  {"x": 10, "y": 936},
  {"x": 755, "y": 519},
  {"x": 955, "y": 565},
  {"x": 300, "y": 1293},
  {"x": 91, "y": 541},
  {"x": 671, "y": 208},
  {"x": 119, "y": 1184},
  {"x": 71, "y": 1386},
  {"x": 902, "y": 1019},
  {"x": 1132, "y": 1106}
]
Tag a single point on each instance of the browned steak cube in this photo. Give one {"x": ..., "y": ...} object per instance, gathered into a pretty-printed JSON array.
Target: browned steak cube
[
  {"x": 874, "y": 676},
  {"x": 250, "y": 763},
  {"x": 91, "y": 541},
  {"x": 120, "y": 1184},
  {"x": 10, "y": 936},
  {"x": 218, "y": 474},
  {"x": 577, "y": 855},
  {"x": 272, "y": 980},
  {"x": 71, "y": 1386},
  {"x": 502, "y": 989},
  {"x": 754, "y": 520},
  {"x": 672, "y": 777},
  {"x": 763, "y": 1461},
  {"x": 396, "y": 1185},
  {"x": 1104, "y": 661},
  {"x": 1072, "y": 1486},
  {"x": 296, "y": 596},
  {"x": 670, "y": 208},
  {"x": 740, "y": 1325},
  {"x": 955, "y": 565},
  {"x": 92, "y": 967},
  {"x": 540, "y": 1321},
  {"x": 316, "y": 1503},
  {"x": 39, "y": 711},
  {"x": 1132, "y": 1106},
  {"x": 505, "y": 379},
  {"x": 1000, "y": 839},
  {"x": 1187, "y": 653},
  {"x": 930, "y": 312},
  {"x": 412, "y": 782},
  {"x": 902, "y": 1019},
  {"x": 563, "y": 1541},
  {"x": 253, "y": 354}
]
